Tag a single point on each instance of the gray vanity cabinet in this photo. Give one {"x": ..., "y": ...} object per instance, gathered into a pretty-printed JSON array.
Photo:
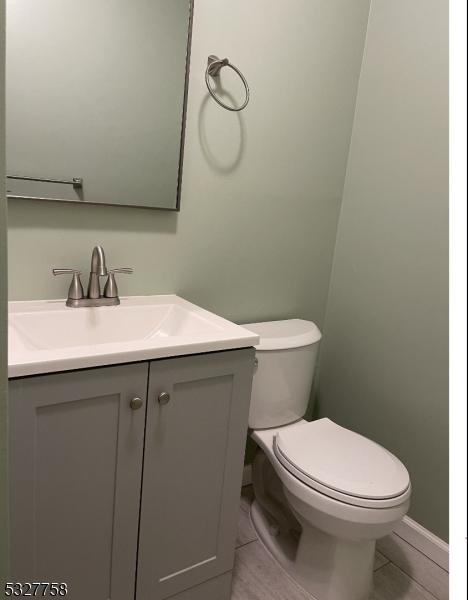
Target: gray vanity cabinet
[
  {"x": 106, "y": 503},
  {"x": 76, "y": 451},
  {"x": 194, "y": 448}
]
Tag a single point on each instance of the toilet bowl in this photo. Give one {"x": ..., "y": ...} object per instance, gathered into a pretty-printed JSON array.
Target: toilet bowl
[{"x": 323, "y": 494}]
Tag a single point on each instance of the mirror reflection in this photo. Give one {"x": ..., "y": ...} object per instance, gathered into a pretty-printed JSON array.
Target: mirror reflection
[{"x": 95, "y": 100}]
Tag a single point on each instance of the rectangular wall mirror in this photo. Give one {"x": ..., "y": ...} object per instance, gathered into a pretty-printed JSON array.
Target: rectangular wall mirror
[{"x": 95, "y": 100}]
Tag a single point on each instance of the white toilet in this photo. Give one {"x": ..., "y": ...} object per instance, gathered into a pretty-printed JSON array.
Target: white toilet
[{"x": 323, "y": 494}]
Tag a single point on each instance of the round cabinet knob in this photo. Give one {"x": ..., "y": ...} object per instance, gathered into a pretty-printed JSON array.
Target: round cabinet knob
[
  {"x": 164, "y": 398},
  {"x": 136, "y": 403}
]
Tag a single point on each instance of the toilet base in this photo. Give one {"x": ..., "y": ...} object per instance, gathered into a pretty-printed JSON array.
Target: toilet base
[{"x": 328, "y": 568}]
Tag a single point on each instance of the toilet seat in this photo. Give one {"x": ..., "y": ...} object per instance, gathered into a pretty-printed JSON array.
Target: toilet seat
[{"x": 342, "y": 464}]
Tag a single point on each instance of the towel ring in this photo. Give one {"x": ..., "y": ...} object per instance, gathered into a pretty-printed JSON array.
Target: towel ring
[{"x": 213, "y": 68}]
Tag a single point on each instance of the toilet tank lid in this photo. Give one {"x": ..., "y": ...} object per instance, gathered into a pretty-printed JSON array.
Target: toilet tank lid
[{"x": 282, "y": 335}]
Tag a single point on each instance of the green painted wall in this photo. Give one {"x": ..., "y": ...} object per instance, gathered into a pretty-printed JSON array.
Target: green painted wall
[
  {"x": 261, "y": 189},
  {"x": 260, "y": 203},
  {"x": 384, "y": 363},
  {"x": 3, "y": 322}
]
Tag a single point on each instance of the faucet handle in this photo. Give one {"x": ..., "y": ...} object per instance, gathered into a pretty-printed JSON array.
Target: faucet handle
[
  {"x": 127, "y": 270},
  {"x": 110, "y": 289},
  {"x": 75, "y": 291},
  {"x": 66, "y": 272}
]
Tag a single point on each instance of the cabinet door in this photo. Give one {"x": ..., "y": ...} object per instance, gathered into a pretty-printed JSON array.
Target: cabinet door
[
  {"x": 76, "y": 450},
  {"x": 194, "y": 450}
]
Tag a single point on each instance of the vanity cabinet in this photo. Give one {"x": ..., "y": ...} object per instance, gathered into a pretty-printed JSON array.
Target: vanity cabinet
[
  {"x": 76, "y": 452},
  {"x": 128, "y": 478},
  {"x": 192, "y": 473}
]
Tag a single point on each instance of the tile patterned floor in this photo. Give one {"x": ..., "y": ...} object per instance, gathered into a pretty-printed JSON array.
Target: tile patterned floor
[{"x": 400, "y": 572}]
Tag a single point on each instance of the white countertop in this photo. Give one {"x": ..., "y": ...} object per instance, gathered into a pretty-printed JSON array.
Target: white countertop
[{"x": 46, "y": 336}]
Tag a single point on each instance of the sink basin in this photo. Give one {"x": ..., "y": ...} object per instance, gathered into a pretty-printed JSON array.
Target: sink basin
[
  {"x": 46, "y": 336},
  {"x": 65, "y": 328}
]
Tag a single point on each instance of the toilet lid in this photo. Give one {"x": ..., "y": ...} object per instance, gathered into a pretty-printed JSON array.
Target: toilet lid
[{"x": 331, "y": 459}]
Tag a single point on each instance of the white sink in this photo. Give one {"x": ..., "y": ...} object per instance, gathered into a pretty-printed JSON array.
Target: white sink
[{"x": 46, "y": 336}]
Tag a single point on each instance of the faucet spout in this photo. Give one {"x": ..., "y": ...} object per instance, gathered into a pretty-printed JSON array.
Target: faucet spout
[
  {"x": 98, "y": 261},
  {"x": 98, "y": 269}
]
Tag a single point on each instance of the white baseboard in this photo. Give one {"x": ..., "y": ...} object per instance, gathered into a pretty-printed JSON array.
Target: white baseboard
[
  {"x": 420, "y": 538},
  {"x": 423, "y": 540}
]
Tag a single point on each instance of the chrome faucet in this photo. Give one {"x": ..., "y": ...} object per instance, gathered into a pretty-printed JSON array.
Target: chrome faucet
[
  {"x": 110, "y": 297},
  {"x": 98, "y": 269}
]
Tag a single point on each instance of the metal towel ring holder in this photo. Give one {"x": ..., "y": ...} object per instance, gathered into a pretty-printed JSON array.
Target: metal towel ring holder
[{"x": 213, "y": 68}]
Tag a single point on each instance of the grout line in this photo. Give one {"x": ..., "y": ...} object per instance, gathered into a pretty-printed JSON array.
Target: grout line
[
  {"x": 384, "y": 565},
  {"x": 247, "y": 543}
]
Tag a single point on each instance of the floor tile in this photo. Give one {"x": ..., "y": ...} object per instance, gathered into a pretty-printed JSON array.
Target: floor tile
[
  {"x": 415, "y": 564},
  {"x": 390, "y": 583},
  {"x": 258, "y": 577},
  {"x": 245, "y": 532}
]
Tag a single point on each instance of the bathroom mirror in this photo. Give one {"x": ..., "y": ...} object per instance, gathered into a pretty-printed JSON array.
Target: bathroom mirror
[{"x": 95, "y": 100}]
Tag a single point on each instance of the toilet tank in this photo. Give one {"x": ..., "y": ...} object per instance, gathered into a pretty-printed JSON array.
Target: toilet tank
[{"x": 282, "y": 382}]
